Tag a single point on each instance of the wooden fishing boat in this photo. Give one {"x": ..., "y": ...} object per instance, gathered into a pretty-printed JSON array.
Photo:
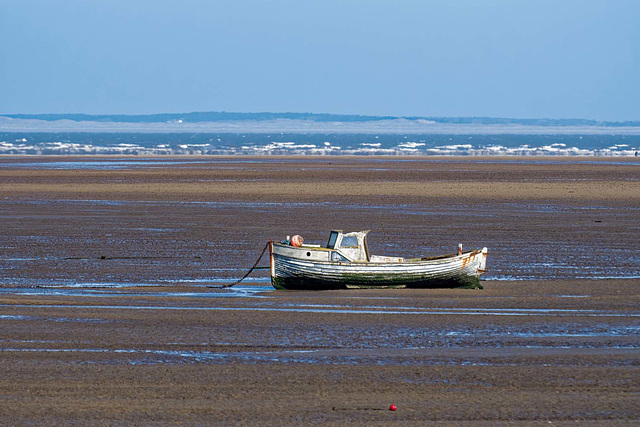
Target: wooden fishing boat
[{"x": 344, "y": 263}]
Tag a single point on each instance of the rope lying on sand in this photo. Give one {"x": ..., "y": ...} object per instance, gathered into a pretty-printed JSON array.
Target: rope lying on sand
[{"x": 228, "y": 285}]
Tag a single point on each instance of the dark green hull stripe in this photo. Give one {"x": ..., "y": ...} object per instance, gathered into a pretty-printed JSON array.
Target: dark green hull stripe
[{"x": 304, "y": 283}]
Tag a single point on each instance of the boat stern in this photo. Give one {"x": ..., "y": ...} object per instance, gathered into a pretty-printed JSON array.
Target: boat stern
[{"x": 482, "y": 266}]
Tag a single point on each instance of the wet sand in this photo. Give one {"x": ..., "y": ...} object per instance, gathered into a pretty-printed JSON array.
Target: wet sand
[{"x": 107, "y": 315}]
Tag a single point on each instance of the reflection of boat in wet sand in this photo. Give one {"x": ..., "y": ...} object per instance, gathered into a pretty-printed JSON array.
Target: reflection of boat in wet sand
[{"x": 345, "y": 262}]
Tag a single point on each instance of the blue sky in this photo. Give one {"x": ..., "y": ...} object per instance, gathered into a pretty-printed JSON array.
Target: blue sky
[{"x": 517, "y": 58}]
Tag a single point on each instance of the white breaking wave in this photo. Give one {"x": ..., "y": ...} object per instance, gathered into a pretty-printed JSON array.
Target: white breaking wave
[{"x": 23, "y": 147}]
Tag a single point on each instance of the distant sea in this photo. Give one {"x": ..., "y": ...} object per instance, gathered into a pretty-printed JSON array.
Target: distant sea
[
  {"x": 127, "y": 143},
  {"x": 220, "y": 133}
]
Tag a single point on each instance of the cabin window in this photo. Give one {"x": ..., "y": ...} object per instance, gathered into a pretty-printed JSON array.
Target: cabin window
[
  {"x": 349, "y": 242},
  {"x": 335, "y": 256},
  {"x": 332, "y": 240}
]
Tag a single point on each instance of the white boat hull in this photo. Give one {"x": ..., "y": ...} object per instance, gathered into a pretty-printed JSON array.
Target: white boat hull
[{"x": 305, "y": 268}]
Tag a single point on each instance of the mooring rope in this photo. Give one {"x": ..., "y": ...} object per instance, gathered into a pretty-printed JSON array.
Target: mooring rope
[{"x": 228, "y": 285}]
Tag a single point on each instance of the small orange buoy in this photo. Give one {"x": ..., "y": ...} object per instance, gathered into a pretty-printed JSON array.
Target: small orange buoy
[
  {"x": 297, "y": 241},
  {"x": 392, "y": 408}
]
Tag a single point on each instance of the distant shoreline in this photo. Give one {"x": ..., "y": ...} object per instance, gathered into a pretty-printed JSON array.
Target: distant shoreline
[
  {"x": 223, "y": 116},
  {"x": 307, "y": 123}
]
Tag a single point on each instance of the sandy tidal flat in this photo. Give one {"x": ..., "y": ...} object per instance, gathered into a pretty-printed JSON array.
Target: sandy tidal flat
[{"x": 107, "y": 315}]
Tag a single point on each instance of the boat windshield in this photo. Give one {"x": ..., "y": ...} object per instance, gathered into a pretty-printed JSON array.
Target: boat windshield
[
  {"x": 332, "y": 240},
  {"x": 349, "y": 242}
]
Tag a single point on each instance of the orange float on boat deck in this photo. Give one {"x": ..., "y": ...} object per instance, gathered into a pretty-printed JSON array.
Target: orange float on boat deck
[{"x": 297, "y": 241}]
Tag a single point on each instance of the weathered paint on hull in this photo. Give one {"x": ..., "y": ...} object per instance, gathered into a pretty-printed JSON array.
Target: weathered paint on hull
[{"x": 460, "y": 271}]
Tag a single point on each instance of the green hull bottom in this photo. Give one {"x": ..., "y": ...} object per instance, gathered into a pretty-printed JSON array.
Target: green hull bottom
[{"x": 311, "y": 284}]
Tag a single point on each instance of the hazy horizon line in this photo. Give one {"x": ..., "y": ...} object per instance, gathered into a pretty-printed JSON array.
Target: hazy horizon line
[{"x": 202, "y": 116}]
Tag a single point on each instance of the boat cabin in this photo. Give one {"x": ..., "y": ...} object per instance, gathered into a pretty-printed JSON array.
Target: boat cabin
[
  {"x": 341, "y": 247},
  {"x": 348, "y": 246}
]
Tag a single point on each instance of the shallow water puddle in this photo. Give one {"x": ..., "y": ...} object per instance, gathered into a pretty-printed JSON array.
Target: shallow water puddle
[
  {"x": 414, "y": 356},
  {"x": 12, "y": 317},
  {"x": 107, "y": 290},
  {"x": 358, "y": 310},
  {"x": 96, "y": 164}
]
